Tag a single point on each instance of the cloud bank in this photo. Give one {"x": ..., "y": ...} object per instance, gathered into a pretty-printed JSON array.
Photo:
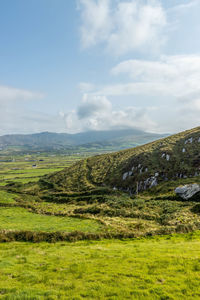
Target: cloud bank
[
  {"x": 11, "y": 93},
  {"x": 172, "y": 80},
  {"x": 170, "y": 75},
  {"x": 97, "y": 113},
  {"x": 122, "y": 26}
]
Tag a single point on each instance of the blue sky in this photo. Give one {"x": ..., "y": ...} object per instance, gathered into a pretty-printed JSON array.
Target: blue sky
[{"x": 71, "y": 66}]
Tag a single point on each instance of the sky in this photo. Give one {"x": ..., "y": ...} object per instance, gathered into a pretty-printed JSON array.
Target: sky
[{"x": 79, "y": 65}]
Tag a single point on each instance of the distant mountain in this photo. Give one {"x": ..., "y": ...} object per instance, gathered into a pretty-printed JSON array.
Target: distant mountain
[{"x": 115, "y": 139}]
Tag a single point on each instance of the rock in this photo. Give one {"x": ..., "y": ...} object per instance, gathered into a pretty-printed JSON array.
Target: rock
[
  {"x": 187, "y": 192},
  {"x": 190, "y": 140},
  {"x": 153, "y": 182},
  {"x": 125, "y": 175}
]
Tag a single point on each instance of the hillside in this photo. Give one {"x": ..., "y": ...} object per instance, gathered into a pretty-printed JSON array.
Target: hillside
[
  {"x": 104, "y": 188},
  {"x": 115, "y": 139},
  {"x": 177, "y": 156}
]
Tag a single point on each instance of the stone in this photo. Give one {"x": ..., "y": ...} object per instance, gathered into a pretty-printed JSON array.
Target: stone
[
  {"x": 190, "y": 140},
  {"x": 187, "y": 191},
  {"x": 153, "y": 182},
  {"x": 125, "y": 175}
]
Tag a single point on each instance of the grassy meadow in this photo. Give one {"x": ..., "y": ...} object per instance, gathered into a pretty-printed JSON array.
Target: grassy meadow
[
  {"x": 151, "y": 268},
  {"x": 159, "y": 267},
  {"x": 18, "y": 218}
]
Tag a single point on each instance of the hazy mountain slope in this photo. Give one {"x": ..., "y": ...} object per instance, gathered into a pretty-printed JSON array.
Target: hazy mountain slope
[
  {"x": 97, "y": 139},
  {"x": 173, "y": 157}
]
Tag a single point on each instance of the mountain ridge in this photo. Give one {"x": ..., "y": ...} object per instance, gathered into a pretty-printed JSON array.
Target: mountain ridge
[{"x": 99, "y": 139}]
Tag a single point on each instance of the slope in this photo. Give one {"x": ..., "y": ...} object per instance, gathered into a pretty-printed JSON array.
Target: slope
[
  {"x": 103, "y": 188},
  {"x": 177, "y": 156}
]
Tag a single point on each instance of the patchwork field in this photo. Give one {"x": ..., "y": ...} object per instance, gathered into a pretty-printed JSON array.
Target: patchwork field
[{"x": 26, "y": 168}]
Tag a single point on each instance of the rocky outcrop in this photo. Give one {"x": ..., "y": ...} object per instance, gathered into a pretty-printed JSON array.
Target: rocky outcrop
[{"x": 188, "y": 192}]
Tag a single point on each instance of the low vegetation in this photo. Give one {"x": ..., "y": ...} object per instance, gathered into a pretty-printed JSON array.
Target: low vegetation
[
  {"x": 154, "y": 268},
  {"x": 88, "y": 203}
]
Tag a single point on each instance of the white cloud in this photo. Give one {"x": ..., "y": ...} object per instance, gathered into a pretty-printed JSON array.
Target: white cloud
[
  {"x": 92, "y": 106},
  {"x": 122, "y": 26},
  {"x": 15, "y": 120},
  {"x": 175, "y": 76},
  {"x": 13, "y": 117},
  {"x": 96, "y": 113},
  {"x": 96, "y": 20},
  {"x": 10, "y": 93},
  {"x": 86, "y": 87},
  {"x": 172, "y": 82},
  {"x": 184, "y": 6}
]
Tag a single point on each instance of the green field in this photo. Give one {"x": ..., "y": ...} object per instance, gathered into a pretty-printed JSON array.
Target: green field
[
  {"x": 159, "y": 267},
  {"x": 21, "y": 168},
  {"x": 155, "y": 268},
  {"x": 17, "y": 218}
]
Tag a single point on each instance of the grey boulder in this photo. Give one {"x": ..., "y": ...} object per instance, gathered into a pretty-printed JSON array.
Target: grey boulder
[{"x": 188, "y": 191}]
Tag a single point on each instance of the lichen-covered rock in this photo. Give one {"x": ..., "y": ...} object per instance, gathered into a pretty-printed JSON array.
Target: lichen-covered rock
[{"x": 188, "y": 191}]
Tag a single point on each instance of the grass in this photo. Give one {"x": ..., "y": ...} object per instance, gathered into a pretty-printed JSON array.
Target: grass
[
  {"x": 18, "y": 167},
  {"x": 20, "y": 219},
  {"x": 7, "y": 198},
  {"x": 146, "y": 268},
  {"x": 154, "y": 268}
]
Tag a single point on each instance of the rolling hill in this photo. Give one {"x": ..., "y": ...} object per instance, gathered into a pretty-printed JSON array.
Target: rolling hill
[
  {"x": 104, "y": 188},
  {"x": 174, "y": 157},
  {"x": 115, "y": 139},
  {"x": 130, "y": 192}
]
